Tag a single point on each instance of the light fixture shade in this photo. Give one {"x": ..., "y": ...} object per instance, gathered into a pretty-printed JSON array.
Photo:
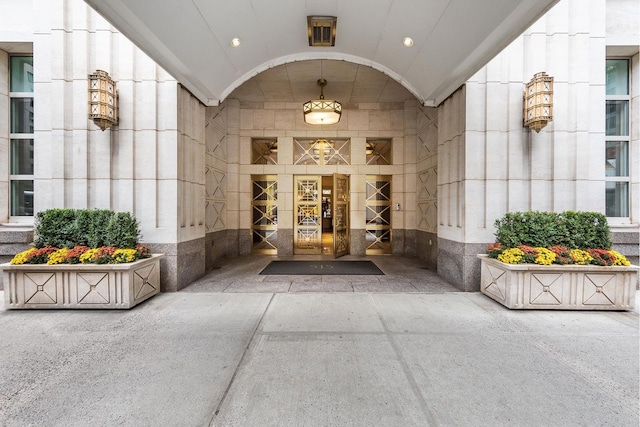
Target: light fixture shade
[
  {"x": 103, "y": 100},
  {"x": 322, "y": 111},
  {"x": 538, "y": 101}
]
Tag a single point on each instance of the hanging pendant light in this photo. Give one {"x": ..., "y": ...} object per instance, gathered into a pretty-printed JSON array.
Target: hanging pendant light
[{"x": 322, "y": 111}]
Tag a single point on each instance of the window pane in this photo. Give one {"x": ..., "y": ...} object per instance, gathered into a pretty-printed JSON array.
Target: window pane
[
  {"x": 21, "y": 74},
  {"x": 321, "y": 152},
  {"x": 21, "y": 198},
  {"x": 617, "y": 199},
  {"x": 336, "y": 152},
  {"x": 378, "y": 152},
  {"x": 22, "y": 157},
  {"x": 617, "y": 158},
  {"x": 617, "y": 77},
  {"x": 264, "y": 152},
  {"x": 617, "y": 118},
  {"x": 21, "y": 115}
]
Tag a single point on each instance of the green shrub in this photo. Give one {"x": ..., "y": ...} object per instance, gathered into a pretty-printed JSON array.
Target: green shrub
[
  {"x": 55, "y": 227},
  {"x": 122, "y": 231},
  {"x": 587, "y": 230},
  {"x": 579, "y": 230},
  {"x": 67, "y": 228},
  {"x": 91, "y": 226}
]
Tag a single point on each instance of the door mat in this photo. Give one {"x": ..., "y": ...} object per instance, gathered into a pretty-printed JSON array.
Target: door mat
[{"x": 327, "y": 268}]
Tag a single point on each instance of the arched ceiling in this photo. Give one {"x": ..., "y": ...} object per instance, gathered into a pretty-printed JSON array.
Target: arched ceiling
[
  {"x": 348, "y": 83},
  {"x": 452, "y": 39}
]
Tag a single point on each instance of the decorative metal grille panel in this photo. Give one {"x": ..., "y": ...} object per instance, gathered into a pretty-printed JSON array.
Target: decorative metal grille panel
[
  {"x": 321, "y": 152},
  {"x": 308, "y": 224},
  {"x": 379, "y": 152},
  {"x": 378, "y": 215},
  {"x": 264, "y": 214},
  {"x": 341, "y": 223},
  {"x": 264, "y": 151}
]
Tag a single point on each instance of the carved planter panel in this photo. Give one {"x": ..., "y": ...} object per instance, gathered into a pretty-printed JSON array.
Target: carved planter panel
[
  {"x": 559, "y": 287},
  {"x": 81, "y": 286}
]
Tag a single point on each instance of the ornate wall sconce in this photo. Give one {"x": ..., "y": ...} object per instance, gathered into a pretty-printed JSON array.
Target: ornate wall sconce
[
  {"x": 103, "y": 100},
  {"x": 538, "y": 101}
]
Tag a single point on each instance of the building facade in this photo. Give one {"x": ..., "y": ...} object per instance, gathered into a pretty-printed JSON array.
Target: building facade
[{"x": 250, "y": 176}]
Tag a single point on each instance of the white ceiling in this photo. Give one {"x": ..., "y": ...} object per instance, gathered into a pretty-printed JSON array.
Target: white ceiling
[
  {"x": 347, "y": 82},
  {"x": 191, "y": 40}
]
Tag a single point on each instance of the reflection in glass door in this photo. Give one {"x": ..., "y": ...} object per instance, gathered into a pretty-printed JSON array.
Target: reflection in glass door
[
  {"x": 378, "y": 214},
  {"x": 308, "y": 220},
  {"x": 264, "y": 214},
  {"x": 341, "y": 215}
]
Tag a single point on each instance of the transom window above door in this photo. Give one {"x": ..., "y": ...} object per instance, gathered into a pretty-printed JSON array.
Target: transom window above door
[
  {"x": 378, "y": 152},
  {"x": 264, "y": 151},
  {"x": 321, "y": 151}
]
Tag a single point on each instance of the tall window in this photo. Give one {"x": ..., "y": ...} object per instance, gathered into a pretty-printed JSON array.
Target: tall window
[
  {"x": 21, "y": 135},
  {"x": 617, "y": 136}
]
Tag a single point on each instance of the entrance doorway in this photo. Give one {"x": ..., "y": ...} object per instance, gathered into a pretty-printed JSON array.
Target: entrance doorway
[{"x": 322, "y": 209}]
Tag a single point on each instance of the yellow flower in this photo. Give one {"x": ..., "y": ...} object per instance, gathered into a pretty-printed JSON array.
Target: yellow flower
[
  {"x": 619, "y": 259},
  {"x": 22, "y": 257},
  {"x": 511, "y": 256},
  {"x": 545, "y": 256},
  {"x": 58, "y": 257},
  {"x": 89, "y": 256},
  {"x": 580, "y": 257},
  {"x": 124, "y": 255}
]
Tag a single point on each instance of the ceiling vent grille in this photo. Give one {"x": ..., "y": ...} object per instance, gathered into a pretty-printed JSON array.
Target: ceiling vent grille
[{"x": 322, "y": 30}]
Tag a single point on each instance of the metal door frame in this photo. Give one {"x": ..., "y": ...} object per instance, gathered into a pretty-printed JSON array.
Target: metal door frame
[
  {"x": 307, "y": 215},
  {"x": 341, "y": 215},
  {"x": 264, "y": 214},
  {"x": 378, "y": 215}
]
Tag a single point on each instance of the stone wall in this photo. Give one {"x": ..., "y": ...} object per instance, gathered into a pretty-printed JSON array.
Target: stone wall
[
  {"x": 426, "y": 182},
  {"x": 489, "y": 164},
  {"x": 150, "y": 164},
  {"x": 217, "y": 137},
  {"x": 452, "y": 260},
  {"x": 284, "y": 121}
]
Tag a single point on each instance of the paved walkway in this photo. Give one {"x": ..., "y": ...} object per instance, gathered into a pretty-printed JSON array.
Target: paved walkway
[
  {"x": 242, "y": 274},
  {"x": 318, "y": 359}
]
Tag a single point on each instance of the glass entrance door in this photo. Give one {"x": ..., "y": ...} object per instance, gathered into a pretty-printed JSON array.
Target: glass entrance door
[
  {"x": 308, "y": 219},
  {"x": 264, "y": 214},
  {"x": 341, "y": 211},
  {"x": 378, "y": 214}
]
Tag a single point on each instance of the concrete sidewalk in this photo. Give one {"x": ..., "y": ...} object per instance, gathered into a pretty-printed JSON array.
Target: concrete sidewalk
[{"x": 318, "y": 359}]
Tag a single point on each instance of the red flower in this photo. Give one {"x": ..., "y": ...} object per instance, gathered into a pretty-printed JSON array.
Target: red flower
[
  {"x": 601, "y": 256},
  {"x": 73, "y": 255},
  {"x": 40, "y": 256},
  {"x": 530, "y": 253},
  {"x": 562, "y": 255}
]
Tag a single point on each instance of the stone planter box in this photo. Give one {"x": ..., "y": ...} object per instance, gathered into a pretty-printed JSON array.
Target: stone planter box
[
  {"x": 558, "y": 287},
  {"x": 81, "y": 286}
]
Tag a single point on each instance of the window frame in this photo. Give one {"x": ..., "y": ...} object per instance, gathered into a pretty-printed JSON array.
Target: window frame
[
  {"x": 620, "y": 138},
  {"x": 18, "y": 136}
]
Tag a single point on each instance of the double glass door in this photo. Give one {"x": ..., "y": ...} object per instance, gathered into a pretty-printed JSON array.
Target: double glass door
[{"x": 309, "y": 214}]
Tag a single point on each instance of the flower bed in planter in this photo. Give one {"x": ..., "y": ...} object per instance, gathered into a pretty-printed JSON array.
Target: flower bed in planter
[
  {"x": 82, "y": 259},
  {"x": 81, "y": 286},
  {"x": 547, "y": 260},
  {"x": 558, "y": 287}
]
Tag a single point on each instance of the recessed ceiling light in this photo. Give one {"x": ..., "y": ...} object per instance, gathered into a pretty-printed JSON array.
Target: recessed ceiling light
[
  {"x": 235, "y": 42},
  {"x": 407, "y": 41}
]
